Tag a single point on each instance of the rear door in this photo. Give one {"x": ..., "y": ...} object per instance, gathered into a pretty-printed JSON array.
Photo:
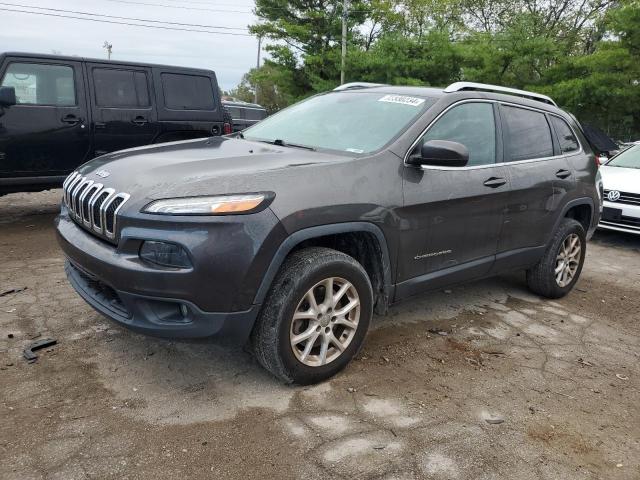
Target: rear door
[
  {"x": 124, "y": 114},
  {"x": 540, "y": 175},
  {"x": 46, "y": 133}
]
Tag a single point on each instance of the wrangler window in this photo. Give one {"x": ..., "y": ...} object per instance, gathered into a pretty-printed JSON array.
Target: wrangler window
[
  {"x": 41, "y": 84},
  {"x": 120, "y": 88},
  {"x": 187, "y": 92}
]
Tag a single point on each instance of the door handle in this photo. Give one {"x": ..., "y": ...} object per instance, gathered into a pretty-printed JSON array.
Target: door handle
[
  {"x": 99, "y": 124},
  {"x": 70, "y": 119},
  {"x": 494, "y": 182},
  {"x": 139, "y": 120},
  {"x": 563, "y": 173}
]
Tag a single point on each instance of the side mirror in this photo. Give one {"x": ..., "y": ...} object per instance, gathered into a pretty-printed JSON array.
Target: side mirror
[
  {"x": 7, "y": 96},
  {"x": 441, "y": 153}
]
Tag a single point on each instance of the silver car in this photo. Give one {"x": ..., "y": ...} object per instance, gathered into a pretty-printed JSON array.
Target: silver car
[{"x": 621, "y": 179}]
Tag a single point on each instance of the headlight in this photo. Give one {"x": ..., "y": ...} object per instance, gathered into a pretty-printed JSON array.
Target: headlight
[{"x": 215, "y": 205}]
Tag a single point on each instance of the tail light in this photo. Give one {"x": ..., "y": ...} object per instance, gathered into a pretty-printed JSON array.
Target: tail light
[{"x": 226, "y": 129}]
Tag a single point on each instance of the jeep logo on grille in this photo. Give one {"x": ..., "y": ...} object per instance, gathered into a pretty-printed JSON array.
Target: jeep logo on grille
[
  {"x": 613, "y": 196},
  {"x": 102, "y": 173}
]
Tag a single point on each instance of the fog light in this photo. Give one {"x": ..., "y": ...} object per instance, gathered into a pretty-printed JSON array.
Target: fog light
[{"x": 165, "y": 254}]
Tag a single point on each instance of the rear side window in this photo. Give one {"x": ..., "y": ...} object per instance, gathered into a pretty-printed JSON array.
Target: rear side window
[
  {"x": 472, "y": 125},
  {"x": 120, "y": 88},
  {"x": 529, "y": 134},
  {"x": 255, "y": 114},
  {"x": 566, "y": 138},
  {"x": 187, "y": 92},
  {"x": 41, "y": 84},
  {"x": 235, "y": 112}
]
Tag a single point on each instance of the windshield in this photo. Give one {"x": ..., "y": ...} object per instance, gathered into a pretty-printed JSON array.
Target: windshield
[
  {"x": 357, "y": 122},
  {"x": 630, "y": 158}
]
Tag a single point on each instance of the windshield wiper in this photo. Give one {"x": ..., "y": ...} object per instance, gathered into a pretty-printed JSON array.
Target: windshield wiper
[{"x": 281, "y": 143}]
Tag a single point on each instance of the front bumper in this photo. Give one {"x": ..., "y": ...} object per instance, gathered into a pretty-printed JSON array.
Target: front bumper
[
  {"x": 620, "y": 217},
  {"x": 213, "y": 298},
  {"x": 161, "y": 317}
]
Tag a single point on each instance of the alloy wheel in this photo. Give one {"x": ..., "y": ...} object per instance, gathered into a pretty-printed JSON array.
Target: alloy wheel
[
  {"x": 325, "y": 321},
  {"x": 568, "y": 260}
]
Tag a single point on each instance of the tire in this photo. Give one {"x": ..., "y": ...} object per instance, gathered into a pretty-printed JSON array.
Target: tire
[
  {"x": 304, "y": 273},
  {"x": 542, "y": 278}
]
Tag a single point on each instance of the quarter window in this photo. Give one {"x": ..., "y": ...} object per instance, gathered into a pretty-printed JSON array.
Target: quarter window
[
  {"x": 529, "y": 134},
  {"x": 566, "y": 138},
  {"x": 41, "y": 84},
  {"x": 120, "y": 88},
  {"x": 472, "y": 125},
  {"x": 187, "y": 92}
]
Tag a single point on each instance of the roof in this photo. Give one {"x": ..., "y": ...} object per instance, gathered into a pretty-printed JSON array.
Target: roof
[
  {"x": 472, "y": 90},
  {"x": 68, "y": 58},
  {"x": 241, "y": 104}
]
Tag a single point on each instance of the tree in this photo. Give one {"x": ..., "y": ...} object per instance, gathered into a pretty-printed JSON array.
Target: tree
[{"x": 585, "y": 53}]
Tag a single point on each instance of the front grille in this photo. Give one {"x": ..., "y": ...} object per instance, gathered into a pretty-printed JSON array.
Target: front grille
[
  {"x": 625, "y": 197},
  {"x": 93, "y": 205}
]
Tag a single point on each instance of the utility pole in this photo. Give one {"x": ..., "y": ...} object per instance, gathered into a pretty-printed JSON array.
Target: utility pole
[
  {"x": 108, "y": 47},
  {"x": 345, "y": 18},
  {"x": 255, "y": 93}
]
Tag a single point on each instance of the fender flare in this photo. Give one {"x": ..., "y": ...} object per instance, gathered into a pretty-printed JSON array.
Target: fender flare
[
  {"x": 574, "y": 203},
  {"x": 320, "y": 231}
]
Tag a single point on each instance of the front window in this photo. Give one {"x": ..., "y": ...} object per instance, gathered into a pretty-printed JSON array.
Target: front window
[
  {"x": 472, "y": 125},
  {"x": 628, "y": 159},
  {"x": 356, "y": 122},
  {"x": 41, "y": 84}
]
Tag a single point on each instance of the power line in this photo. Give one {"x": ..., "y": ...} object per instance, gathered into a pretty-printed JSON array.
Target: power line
[
  {"x": 180, "y": 7},
  {"x": 212, "y": 4},
  {"x": 123, "y": 18},
  {"x": 128, "y": 24},
  {"x": 273, "y": 9}
]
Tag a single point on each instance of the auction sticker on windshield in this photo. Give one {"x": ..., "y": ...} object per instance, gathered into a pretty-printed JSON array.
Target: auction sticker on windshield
[{"x": 403, "y": 99}]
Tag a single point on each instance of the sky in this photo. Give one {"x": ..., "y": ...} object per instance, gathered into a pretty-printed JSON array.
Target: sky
[{"x": 230, "y": 56}]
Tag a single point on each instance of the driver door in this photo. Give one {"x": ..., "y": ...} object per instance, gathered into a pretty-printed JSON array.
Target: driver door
[{"x": 452, "y": 216}]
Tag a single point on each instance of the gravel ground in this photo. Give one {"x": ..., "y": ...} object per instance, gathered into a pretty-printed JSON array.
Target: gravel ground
[{"x": 484, "y": 381}]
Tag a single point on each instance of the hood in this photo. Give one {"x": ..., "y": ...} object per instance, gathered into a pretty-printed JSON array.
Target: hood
[
  {"x": 210, "y": 166},
  {"x": 621, "y": 179}
]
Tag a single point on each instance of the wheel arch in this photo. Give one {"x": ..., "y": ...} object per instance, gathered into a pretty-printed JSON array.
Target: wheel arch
[
  {"x": 577, "y": 209},
  {"x": 378, "y": 266}
]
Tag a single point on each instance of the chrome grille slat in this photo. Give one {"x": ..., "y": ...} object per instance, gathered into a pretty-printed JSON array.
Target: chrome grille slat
[
  {"x": 92, "y": 205},
  {"x": 84, "y": 208}
]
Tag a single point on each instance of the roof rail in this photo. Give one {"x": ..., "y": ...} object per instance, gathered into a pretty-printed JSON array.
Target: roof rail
[
  {"x": 483, "y": 87},
  {"x": 354, "y": 85}
]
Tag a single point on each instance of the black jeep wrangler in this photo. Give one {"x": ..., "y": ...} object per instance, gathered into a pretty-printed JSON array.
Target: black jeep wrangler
[
  {"x": 58, "y": 112},
  {"x": 291, "y": 234}
]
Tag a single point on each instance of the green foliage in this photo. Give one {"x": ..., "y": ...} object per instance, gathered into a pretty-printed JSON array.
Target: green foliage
[{"x": 585, "y": 53}]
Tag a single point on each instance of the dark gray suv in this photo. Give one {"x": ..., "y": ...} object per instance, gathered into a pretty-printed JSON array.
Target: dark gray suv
[{"x": 290, "y": 234}]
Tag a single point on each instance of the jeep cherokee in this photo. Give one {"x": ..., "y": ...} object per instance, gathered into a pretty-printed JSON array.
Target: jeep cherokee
[{"x": 290, "y": 234}]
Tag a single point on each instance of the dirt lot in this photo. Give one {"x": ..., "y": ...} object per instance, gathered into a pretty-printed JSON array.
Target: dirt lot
[{"x": 425, "y": 398}]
